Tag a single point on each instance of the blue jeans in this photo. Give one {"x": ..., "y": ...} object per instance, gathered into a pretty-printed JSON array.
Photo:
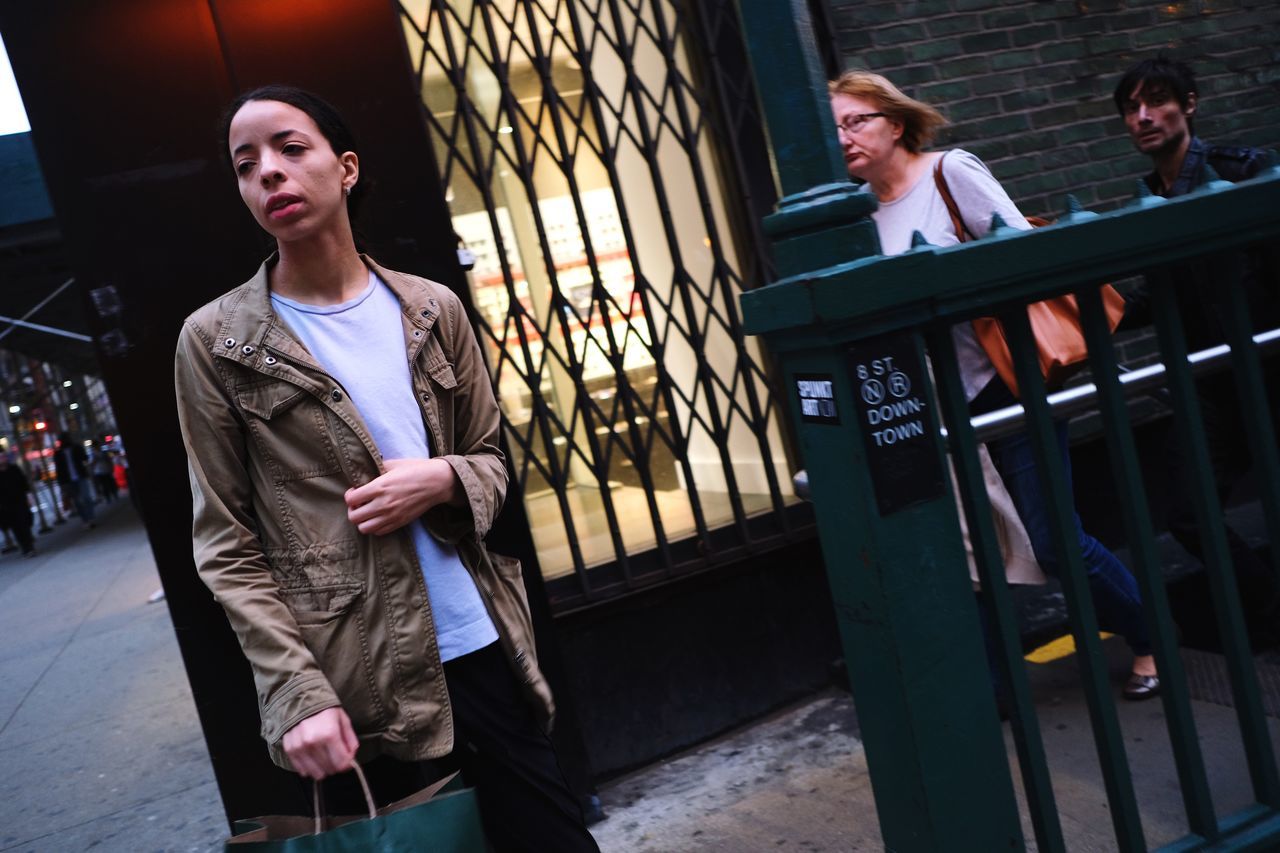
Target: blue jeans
[
  {"x": 1114, "y": 590},
  {"x": 83, "y": 498}
]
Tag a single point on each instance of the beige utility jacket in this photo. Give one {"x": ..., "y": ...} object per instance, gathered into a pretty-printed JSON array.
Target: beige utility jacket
[{"x": 326, "y": 615}]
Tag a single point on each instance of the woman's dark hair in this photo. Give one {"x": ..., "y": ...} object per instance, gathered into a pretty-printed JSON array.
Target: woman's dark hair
[
  {"x": 323, "y": 113},
  {"x": 1158, "y": 73}
]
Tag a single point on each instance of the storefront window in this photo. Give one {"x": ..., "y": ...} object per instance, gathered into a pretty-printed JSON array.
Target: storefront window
[{"x": 578, "y": 165}]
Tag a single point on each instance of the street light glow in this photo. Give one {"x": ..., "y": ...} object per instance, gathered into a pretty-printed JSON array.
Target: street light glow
[
  {"x": 13, "y": 410},
  {"x": 74, "y": 406}
]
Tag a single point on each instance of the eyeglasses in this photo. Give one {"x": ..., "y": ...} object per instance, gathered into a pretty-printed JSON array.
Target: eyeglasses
[{"x": 854, "y": 122}]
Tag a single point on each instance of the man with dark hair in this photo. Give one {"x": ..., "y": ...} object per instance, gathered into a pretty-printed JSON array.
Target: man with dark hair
[{"x": 1158, "y": 99}]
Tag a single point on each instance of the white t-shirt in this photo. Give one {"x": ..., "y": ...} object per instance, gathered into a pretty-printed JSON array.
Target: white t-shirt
[
  {"x": 977, "y": 195},
  {"x": 361, "y": 344}
]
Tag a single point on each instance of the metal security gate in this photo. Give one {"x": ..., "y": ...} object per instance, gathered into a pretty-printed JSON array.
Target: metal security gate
[
  {"x": 592, "y": 160},
  {"x": 852, "y": 332}
]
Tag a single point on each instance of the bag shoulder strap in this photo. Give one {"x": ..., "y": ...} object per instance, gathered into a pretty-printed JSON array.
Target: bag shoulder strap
[{"x": 957, "y": 221}]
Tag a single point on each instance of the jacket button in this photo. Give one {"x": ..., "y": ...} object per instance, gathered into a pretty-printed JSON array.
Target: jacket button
[
  {"x": 336, "y": 395},
  {"x": 229, "y": 343},
  {"x": 426, "y": 313},
  {"x": 246, "y": 349},
  {"x": 417, "y": 333},
  {"x": 271, "y": 359}
]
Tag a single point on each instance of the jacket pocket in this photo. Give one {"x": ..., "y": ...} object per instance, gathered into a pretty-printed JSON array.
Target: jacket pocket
[
  {"x": 332, "y": 624},
  {"x": 442, "y": 374},
  {"x": 511, "y": 609},
  {"x": 511, "y": 605},
  {"x": 268, "y": 400},
  {"x": 291, "y": 428}
]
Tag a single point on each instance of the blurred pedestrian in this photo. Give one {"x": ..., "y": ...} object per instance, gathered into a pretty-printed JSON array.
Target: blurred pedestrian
[
  {"x": 101, "y": 467},
  {"x": 15, "y": 507},
  {"x": 123, "y": 476},
  {"x": 75, "y": 479}
]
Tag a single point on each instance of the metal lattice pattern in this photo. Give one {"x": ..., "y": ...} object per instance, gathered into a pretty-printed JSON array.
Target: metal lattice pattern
[{"x": 576, "y": 147}]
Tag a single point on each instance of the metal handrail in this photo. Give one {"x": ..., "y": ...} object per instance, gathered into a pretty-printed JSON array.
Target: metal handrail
[{"x": 1006, "y": 421}]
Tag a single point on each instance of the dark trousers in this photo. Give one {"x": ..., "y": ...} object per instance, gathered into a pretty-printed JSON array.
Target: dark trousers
[
  {"x": 1230, "y": 459},
  {"x": 107, "y": 487},
  {"x": 1112, "y": 587},
  {"x": 1114, "y": 590},
  {"x": 18, "y": 520},
  {"x": 525, "y": 803}
]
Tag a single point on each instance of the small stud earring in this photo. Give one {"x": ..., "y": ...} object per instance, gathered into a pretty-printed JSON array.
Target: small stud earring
[{"x": 346, "y": 190}]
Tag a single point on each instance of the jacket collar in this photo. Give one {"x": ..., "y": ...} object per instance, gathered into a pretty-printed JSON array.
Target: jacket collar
[
  {"x": 1189, "y": 176},
  {"x": 250, "y": 323}
]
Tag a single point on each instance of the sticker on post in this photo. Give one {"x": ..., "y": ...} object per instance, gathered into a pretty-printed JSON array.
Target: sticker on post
[
  {"x": 897, "y": 423},
  {"x": 817, "y": 398}
]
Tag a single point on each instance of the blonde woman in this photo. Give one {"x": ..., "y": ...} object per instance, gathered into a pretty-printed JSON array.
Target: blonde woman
[{"x": 883, "y": 134}]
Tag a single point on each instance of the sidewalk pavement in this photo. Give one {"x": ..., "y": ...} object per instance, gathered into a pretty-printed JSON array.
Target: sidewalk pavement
[
  {"x": 102, "y": 749},
  {"x": 798, "y": 780},
  {"x": 99, "y": 739}
]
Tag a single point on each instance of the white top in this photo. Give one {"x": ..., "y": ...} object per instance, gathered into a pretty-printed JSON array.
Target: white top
[
  {"x": 977, "y": 195},
  {"x": 361, "y": 344}
]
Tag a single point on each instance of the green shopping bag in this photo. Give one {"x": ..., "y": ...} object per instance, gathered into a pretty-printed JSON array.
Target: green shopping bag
[{"x": 441, "y": 818}]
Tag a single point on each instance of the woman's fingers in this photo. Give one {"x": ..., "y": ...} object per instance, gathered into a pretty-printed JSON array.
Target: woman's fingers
[
  {"x": 322, "y": 744},
  {"x": 337, "y": 757},
  {"x": 304, "y": 766},
  {"x": 381, "y": 515},
  {"x": 372, "y": 517}
]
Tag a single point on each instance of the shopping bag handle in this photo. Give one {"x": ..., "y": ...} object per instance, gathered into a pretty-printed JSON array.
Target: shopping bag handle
[{"x": 317, "y": 799}]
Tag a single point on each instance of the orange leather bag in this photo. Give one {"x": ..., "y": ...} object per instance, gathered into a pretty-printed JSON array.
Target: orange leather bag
[{"x": 1055, "y": 322}]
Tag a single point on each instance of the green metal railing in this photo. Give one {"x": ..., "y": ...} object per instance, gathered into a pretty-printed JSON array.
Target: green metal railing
[
  {"x": 843, "y": 314},
  {"x": 923, "y": 294}
]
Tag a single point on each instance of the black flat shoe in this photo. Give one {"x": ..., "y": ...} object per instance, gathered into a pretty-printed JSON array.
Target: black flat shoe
[{"x": 1141, "y": 687}]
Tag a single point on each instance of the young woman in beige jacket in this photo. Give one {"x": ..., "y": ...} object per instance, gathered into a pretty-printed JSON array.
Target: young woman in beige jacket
[{"x": 342, "y": 435}]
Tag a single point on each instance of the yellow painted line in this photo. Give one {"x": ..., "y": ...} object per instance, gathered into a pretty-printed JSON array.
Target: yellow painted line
[{"x": 1059, "y": 648}]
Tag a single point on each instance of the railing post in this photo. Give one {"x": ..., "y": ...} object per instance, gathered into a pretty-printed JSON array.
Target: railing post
[
  {"x": 886, "y": 517},
  {"x": 820, "y": 211}
]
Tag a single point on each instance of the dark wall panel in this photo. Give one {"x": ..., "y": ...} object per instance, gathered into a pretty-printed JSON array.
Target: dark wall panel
[{"x": 665, "y": 669}]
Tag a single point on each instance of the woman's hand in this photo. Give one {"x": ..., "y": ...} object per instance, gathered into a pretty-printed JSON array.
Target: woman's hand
[
  {"x": 409, "y": 488},
  {"x": 322, "y": 744}
]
